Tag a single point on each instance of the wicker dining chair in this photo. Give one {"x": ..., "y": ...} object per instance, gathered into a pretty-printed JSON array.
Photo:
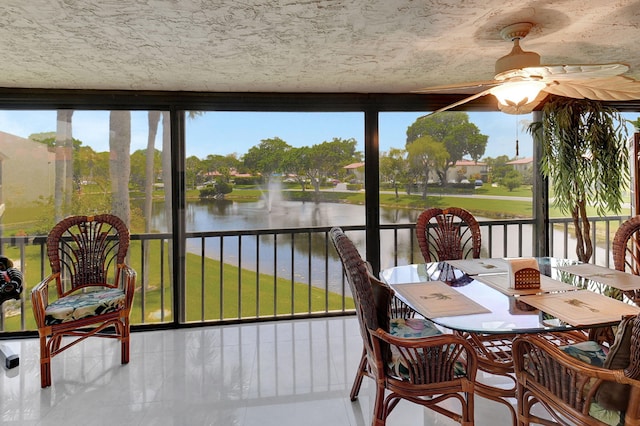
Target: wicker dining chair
[
  {"x": 448, "y": 234},
  {"x": 426, "y": 370},
  {"x": 626, "y": 251},
  {"x": 592, "y": 389},
  {"x": 452, "y": 234},
  {"x": 93, "y": 287}
]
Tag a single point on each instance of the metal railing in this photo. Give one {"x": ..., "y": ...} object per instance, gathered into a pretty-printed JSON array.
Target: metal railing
[{"x": 256, "y": 275}]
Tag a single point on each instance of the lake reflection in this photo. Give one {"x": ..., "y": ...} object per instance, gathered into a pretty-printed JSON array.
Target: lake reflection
[{"x": 223, "y": 215}]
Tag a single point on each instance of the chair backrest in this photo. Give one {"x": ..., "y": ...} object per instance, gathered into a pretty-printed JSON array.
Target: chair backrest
[
  {"x": 626, "y": 246},
  {"x": 87, "y": 251},
  {"x": 357, "y": 274},
  {"x": 372, "y": 298},
  {"x": 448, "y": 234}
]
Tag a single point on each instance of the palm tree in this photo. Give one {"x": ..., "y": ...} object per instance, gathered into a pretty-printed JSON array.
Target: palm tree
[
  {"x": 120, "y": 163},
  {"x": 63, "y": 164}
]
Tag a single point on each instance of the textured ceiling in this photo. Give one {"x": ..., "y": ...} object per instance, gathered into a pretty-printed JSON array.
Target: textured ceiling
[{"x": 367, "y": 46}]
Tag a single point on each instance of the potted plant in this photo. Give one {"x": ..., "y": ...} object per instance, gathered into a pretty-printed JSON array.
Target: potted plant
[{"x": 585, "y": 158}]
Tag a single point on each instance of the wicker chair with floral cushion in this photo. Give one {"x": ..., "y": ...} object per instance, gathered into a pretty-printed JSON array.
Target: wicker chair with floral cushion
[
  {"x": 93, "y": 287},
  {"x": 423, "y": 370},
  {"x": 580, "y": 384},
  {"x": 626, "y": 251}
]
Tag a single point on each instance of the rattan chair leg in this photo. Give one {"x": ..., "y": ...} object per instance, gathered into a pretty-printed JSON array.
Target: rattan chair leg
[
  {"x": 362, "y": 371},
  {"x": 379, "y": 409},
  {"x": 45, "y": 363},
  {"x": 125, "y": 339}
]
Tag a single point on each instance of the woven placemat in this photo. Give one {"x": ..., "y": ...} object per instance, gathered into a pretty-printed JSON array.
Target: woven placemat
[{"x": 435, "y": 299}]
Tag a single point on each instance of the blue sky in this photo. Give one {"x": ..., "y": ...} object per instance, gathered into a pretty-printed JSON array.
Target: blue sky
[{"x": 235, "y": 132}]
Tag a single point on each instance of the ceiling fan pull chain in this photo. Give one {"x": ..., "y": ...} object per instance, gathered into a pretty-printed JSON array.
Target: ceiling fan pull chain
[{"x": 517, "y": 134}]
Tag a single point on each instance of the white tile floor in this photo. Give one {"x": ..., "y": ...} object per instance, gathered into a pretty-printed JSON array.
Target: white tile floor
[{"x": 287, "y": 373}]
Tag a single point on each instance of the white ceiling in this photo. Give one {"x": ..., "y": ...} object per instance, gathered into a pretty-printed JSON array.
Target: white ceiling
[{"x": 366, "y": 46}]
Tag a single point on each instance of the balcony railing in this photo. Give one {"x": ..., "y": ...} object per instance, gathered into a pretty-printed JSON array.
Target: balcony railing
[{"x": 256, "y": 275}]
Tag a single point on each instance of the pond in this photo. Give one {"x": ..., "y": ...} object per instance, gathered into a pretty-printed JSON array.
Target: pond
[{"x": 223, "y": 215}]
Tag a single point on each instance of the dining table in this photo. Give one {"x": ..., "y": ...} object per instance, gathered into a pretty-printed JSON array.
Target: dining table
[{"x": 479, "y": 299}]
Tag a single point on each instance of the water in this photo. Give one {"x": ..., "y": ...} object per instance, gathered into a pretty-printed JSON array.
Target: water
[
  {"x": 223, "y": 215},
  {"x": 273, "y": 213}
]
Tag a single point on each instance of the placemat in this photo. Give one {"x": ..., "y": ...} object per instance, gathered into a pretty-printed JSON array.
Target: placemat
[
  {"x": 480, "y": 266},
  {"x": 611, "y": 277},
  {"x": 582, "y": 307},
  {"x": 501, "y": 283},
  {"x": 435, "y": 299}
]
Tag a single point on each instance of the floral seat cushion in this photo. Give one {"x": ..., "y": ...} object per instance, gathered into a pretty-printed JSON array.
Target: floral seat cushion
[
  {"x": 412, "y": 327},
  {"x": 83, "y": 305}
]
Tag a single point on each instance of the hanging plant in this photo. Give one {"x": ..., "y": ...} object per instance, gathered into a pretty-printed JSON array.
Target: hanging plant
[{"x": 585, "y": 158}]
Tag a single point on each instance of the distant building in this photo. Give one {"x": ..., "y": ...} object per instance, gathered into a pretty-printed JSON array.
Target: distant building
[
  {"x": 522, "y": 164},
  {"x": 468, "y": 169},
  {"x": 27, "y": 171},
  {"x": 356, "y": 170}
]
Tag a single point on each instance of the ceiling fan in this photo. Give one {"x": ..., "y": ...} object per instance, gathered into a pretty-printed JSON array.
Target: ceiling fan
[{"x": 521, "y": 82}]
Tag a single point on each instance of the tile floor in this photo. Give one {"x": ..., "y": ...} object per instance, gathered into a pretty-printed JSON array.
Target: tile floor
[{"x": 287, "y": 373}]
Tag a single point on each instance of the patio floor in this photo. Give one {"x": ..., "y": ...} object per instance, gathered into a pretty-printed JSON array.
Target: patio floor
[{"x": 286, "y": 373}]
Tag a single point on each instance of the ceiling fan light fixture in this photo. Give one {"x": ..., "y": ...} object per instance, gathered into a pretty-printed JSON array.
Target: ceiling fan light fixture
[{"x": 517, "y": 93}]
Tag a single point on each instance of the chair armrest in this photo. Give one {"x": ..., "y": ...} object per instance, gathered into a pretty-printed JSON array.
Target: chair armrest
[
  {"x": 542, "y": 367},
  {"x": 433, "y": 358},
  {"x": 128, "y": 276},
  {"x": 40, "y": 298}
]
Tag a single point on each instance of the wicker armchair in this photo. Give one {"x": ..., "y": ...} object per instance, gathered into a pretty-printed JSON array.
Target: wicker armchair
[
  {"x": 626, "y": 251},
  {"x": 93, "y": 287},
  {"x": 451, "y": 234},
  {"x": 426, "y": 370},
  {"x": 575, "y": 392},
  {"x": 448, "y": 234}
]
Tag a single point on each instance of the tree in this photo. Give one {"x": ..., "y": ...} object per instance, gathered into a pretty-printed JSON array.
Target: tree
[
  {"x": 64, "y": 164},
  {"x": 150, "y": 174},
  {"x": 328, "y": 158},
  {"x": 393, "y": 167},
  {"x": 120, "y": 163},
  {"x": 193, "y": 171},
  {"x": 296, "y": 163},
  {"x": 426, "y": 154},
  {"x": 585, "y": 157},
  {"x": 512, "y": 180},
  {"x": 453, "y": 129},
  {"x": 140, "y": 177},
  {"x": 498, "y": 167},
  {"x": 315, "y": 163},
  {"x": 266, "y": 157}
]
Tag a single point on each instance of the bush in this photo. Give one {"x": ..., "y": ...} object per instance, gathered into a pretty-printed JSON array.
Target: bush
[
  {"x": 224, "y": 188},
  {"x": 248, "y": 180},
  {"x": 216, "y": 191}
]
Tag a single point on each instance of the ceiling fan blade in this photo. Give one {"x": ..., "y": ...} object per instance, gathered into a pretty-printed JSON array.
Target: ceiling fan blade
[
  {"x": 565, "y": 72},
  {"x": 460, "y": 102},
  {"x": 616, "y": 88},
  {"x": 461, "y": 87}
]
